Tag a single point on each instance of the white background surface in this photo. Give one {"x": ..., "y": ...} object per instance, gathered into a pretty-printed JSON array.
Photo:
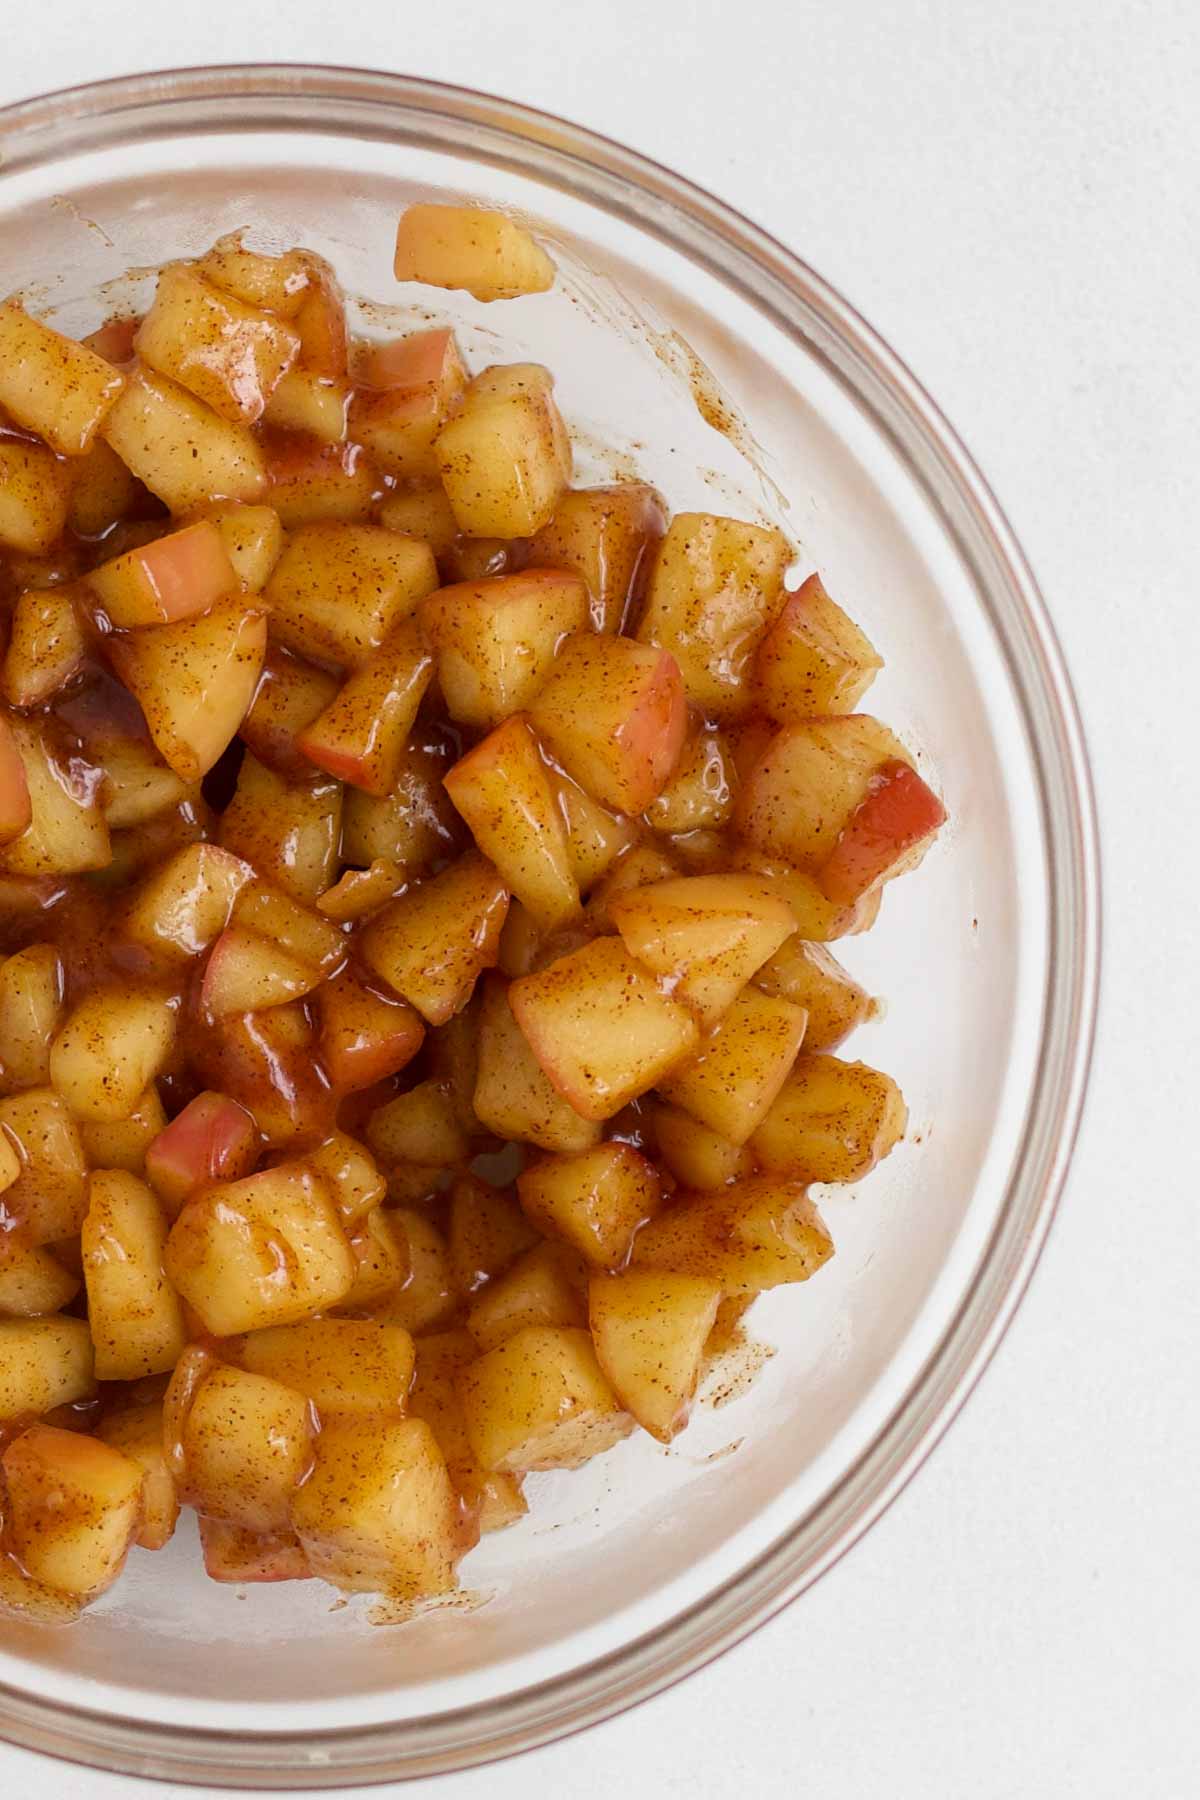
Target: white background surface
[{"x": 1008, "y": 191}]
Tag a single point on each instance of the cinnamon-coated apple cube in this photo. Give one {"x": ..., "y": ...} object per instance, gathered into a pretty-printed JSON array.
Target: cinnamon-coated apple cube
[
  {"x": 503, "y": 790},
  {"x": 454, "y": 1061},
  {"x": 172, "y": 578},
  {"x": 16, "y": 804},
  {"x": 72, "y": 1508},
  {"x": 809, "y": 780},
  {"x": 137, "y": 784},
  {"x": 732, "y": 1080},
  {"x": 52, "y": 385},
  {"x": 267, "y": 1250},
  {"x": 420, "y": 1126},
  {"x": 495, "y": 1499},
  {"x": 832, "y": 1121},
  {"x": 602, "y": 1029},
  {"x": 595, "y": 1201},
  {"x": 886, "y": 835},
  {"x": 707, "y": 934},
  {"x": 46, "y": 646},
  {"x": 504, "y": 456},
  {"x": 637, "y": 867},
  {"x": 289, "y": 830},
  {"x": 229, "y": 355},
  {"x": 606, "y": 535},
  {"x": 321, "y": 321},
  {"x": 180, "y": 448},
  {"x": 341, "y": 1365},
  {"x": 380, "y": 1252},
  {"x": 537, "y": 1290},
  {"x": 103, "y": 491},
  {"x": 378, "y": 1514},
  {"x": 700, "y": 794},
  {"x": 64, "y": 831},
  {"x": 539, "y": 1400},
  {"x": 613, "y": 713},
  {"x": 415, "y": 824},
  {"x": 487, "y": 1231},
  {"x": 808, "y": 976},
  {"x": 470, "y": 247},
  {"x": 253, "y": 540},
  {"x": 33, "y": 1283},
  {"x": 246, "y": 972},
  {"x": 34, "y": 495},
  {"x": 290, "y": 694},
  {"x": 420, "y": 509},
  {"x": 48, "y": 1200},
  {"x": 339, "y": 590},
  {"x": 365, "y": 1036},
  {"x": 513, "y": 1096},
  {"x": 268, "y": 1063},
  {"x": 759, "y": 1234},
  {"x": 110, "y": 1049},
  {"x": 31, "y": 1000},
  {"x": 351, "y": 1173},
  {"x": 29, "y": 1601},
  {"x": 715, "y": 587},
  {"x": 247, "y": 1444},
  {"x": 314, "y": 483},
  {"x": 194, "y": 681},
  {"x": 358, "y": 892},
  {"x": 431, "y": 945},
  {"x": 296, "y": 929},
  {"x": 650, "y": 1329},
  {"x": 814, "y": 660},
  {"x": 360, "y": 736},
  {"x": 133, "y": 1314},
  {"x": 307, "y": 402},
  {"x": 595, "y": 836},
  {"x": 233, "y": 1554},
  {"x": 411, "y": 387},
  {"x": 429, "y": 1296},
  {"x": 137, "y": 1432},
  {"x": 819, "y": 920},
  {"x": 212, "y": 1140},
  {"x": 182, "y": 908},
  {"x": 277, "y": 284},
  {"x": 123, "y": 1143},
  {"x": 44, "y": 1363},
  {"x": 496, "y": 640}
]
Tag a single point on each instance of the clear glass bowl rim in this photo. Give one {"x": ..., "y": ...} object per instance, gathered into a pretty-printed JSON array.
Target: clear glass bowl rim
[{"x": 403, "y": 108}]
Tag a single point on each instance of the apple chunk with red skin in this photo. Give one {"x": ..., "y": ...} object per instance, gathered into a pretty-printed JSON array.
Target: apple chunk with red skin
[
  {"x": 365, "y": 1037},
  {"x": 212, "y": 1139},
  {"x": 360, "y": 736},
  {"x": 174, "y": 577},
  {"x": 886, "y": 834},
  {"x": 614, "y": 714},
  {"x": 194, "y": 681}
]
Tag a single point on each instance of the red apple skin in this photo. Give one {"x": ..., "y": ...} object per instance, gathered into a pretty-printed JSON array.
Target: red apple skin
[
  {"x": 423, "y": 359},
  {"x": 365, "y": 1038},
  {"x": 174, "y": 577},
  {"x": 652, "y": 737},
  {"x": 899, "y": 816},
  {"x": 16, "y": 812},
  {"x": 212, "y": 1139}
]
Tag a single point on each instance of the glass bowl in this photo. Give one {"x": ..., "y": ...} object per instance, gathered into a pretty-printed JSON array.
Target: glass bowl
[{"x": 706, "y": 356}]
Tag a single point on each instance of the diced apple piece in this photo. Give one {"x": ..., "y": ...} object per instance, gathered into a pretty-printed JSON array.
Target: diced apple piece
[
  {"x": 268, "y": 1063},
  {"x": 503, "y": 791},
  {"x": 137, "y": 785},
  {"x": 887, "y": 834},
  {"x": 52, "y": 385},
  {"x": 699, "y": 796},
  {"x": 496, "y": 640},
  {"x": 505, "y": 457},
  {"x": 253, "y": 540},
  {"x": 756, "y": 1235},
  {"x": 137, "y": 1432},
  {"x": 470, "y": 247},
  {"x": 123, "y": 1143},
  {"x": 30, "y": 1601},
  {"x": 296, "y": 929},
  {"x": 278, "y": 284},
  {"x": 421, "y": 510},
  {"x": 233, "y": 1554},
  {"x": 358, "y": 892},
  {"x": 185, "y": 906},
  {"x": 415, "y": 824},
  {"x": 31, "y": 998},
  {"x": 180, "y": 448},
  {"x": 819, "y": 920},
  {"x": 73, "y": 1506},
  {"x": 289, "y": 830},
  {"x": 229, "y": 355},
  {"x": 290, "y": 695},
  {"x": 246, "y": 972},
  {"x": 212, "y": 1140},
  {"x": 707, "y": 934},
  {"x": 34, "y": 490},
  {"x": 432, "y": 944},
  {"x": 420, "y": 1126},
  {"x": 321, "y": 321},
  {"x": 65, "y": 833},
  {"x": 429, "y": 1296},
  {"x": 111, "y": 1048},
  {"x": 487, "y": 1232},
  {"x": 339, "y": 590},
  {"x": 540, "y": 1401},
  {"x": 832, "y": 1121},
  {"x": 44, "y": 1363},
  {"x": 807, "y": 784},
  {"x": 496, "y": 1499},
  {"x": 380, "y": 1252},
  {"x": 637, "y": 867},
  {"x": 352, "y": 1175},
  {"x": 48, "y": 1200},
  {"x": 378, "y": 1513},
  {"x": 267, "y": 1250},
  {"x": 595, "y": 836},
  {"x": 733, "y": 1078},
  {"x": 247, "y": 1445},
  {"x": 814, "y": 660},
  {"x": 513, "y": 1096},
  {"x": 650, "y": 1329},
  {"x": 595, "y": 1201},
  {"x": 133, "y": 1314},
  {"x": 537, "y": 1290},
  {"x": 33, "y": 1282},
  {"x": 606, "y": 535},
  {"x": 172, "y": 578},
  {"x": 613, "y": 713},
  {"x": 601, "y": 1028},
  {"x": 46, "y": 647},
  {"x": 808, "y": 976},
  {"x": 360, "y": 735},
  {"x": 313, "y": 483},
  {"x": 716, "y": 585},
  {"x": 423, "y": 379},
  {"x": 365, "y": 1036},
  {"x": 341, "y": 1365},
  {"x": 194, "y": 681},
  {"x": 103, "y": 491},
  {"x": 311, "y": 403}
]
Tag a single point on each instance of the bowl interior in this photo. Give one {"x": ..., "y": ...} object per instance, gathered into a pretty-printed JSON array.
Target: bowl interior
[{"x": 640, "y": 338}]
